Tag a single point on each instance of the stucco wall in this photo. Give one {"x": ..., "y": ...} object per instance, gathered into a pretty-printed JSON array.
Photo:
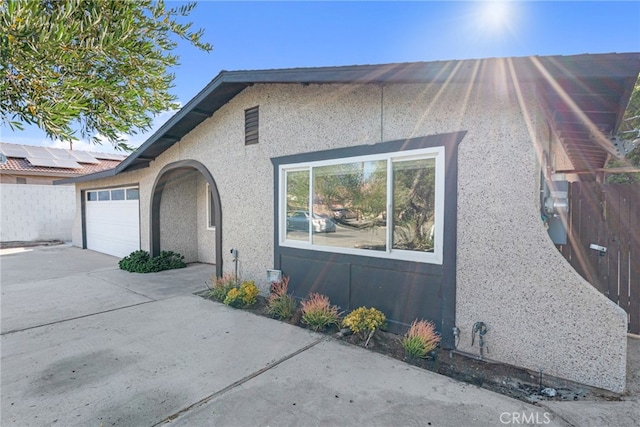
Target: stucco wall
[
  {"x": 179, "y": 216},
  {"x": 36, "y": 212},
  {"x": 7, "y": 178},
  {"x": 540, "y": 313}
]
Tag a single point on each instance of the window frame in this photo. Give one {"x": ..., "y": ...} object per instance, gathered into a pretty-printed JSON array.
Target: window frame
[
  {"x": 435, "y": 257},
  {"x": 211, "y": 223},
  {"x": 96, "y": 192}
]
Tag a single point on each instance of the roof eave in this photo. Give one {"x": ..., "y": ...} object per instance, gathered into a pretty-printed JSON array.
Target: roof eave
[
  {"x": 231, "y": 83},
  {"x": 88, "y": 177}
]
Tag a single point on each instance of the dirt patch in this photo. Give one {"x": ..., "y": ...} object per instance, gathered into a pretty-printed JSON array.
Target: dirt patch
[
  {"x": 6, "y": 245},
  {"x": 501, "y": 378}
]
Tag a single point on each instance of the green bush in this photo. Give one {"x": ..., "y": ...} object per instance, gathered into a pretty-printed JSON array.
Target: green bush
[
  {"x": 280, "y": 304},
  {"x": 318, "y": 313},
  {"x": 141, "y": 262},
  {"x": 222, "y": 287}
]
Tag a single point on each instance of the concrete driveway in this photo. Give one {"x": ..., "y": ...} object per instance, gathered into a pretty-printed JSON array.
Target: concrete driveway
[{"x": 86, "y": 344}]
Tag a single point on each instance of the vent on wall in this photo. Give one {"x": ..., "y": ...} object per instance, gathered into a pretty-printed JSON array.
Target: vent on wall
[{"x": 251, "y": 126}]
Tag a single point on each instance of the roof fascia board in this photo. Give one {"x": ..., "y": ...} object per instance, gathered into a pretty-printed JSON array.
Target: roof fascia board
[{"x": 88, "y": 177}]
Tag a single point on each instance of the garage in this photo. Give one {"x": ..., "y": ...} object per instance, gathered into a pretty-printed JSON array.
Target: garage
[{"x": 112, "y": 220}]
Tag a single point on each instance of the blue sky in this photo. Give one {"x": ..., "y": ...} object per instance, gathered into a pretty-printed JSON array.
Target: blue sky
[{"x": 265, "y": 35}]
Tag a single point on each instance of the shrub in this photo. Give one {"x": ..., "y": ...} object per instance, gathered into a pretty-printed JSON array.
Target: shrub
[
  {"x": 420, "y": 339},
  {"x": 364, "y": 321},
  {"x": 141, "y": 262},
  {"x": 318, "y": 313},
  {"x": 280, "y": 304},
  {"x": 249, "y": 293},
  {"x": 222, "y": 286},
  {"x": 233, "y": 298},
  {"x": 245, "y": 295},
  {"x": 135, "y": 261}
]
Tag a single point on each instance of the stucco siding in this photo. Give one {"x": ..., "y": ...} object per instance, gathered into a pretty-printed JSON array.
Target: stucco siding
[
  {"x": 179, "y": 216},
  {"x": 540, "y": 313}
]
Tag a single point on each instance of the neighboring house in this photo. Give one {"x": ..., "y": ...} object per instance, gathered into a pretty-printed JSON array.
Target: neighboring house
[
  {"x": 432, "y": 175},
  {"x": 32, "y": 208},
  {"x": 28, "y": 164}
]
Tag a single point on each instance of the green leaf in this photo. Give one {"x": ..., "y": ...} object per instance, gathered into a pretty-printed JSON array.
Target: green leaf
[{"x": 89, "y": 67}]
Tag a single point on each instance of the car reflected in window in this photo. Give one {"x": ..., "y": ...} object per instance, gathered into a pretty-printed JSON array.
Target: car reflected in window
[{"x": 299, "y": 220}]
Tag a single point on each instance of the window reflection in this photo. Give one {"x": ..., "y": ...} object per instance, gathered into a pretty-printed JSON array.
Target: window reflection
[
  {"x": 413, "y": 204},
  {"x": 351, "y": 199},
  {"x": 297, "y": 209}
]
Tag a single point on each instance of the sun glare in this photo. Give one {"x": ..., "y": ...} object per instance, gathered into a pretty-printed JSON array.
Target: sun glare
[{"x": 494, "y": 14}]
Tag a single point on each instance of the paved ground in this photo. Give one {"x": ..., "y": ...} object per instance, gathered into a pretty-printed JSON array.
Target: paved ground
[{"x": 86, "y": 344}]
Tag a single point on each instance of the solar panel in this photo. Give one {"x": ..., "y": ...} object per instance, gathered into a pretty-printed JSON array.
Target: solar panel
[
  {"x": 13, "y": 150},
  {"x": 108, "y": 156},
  {"x": 57, "y": 153},
  {"x": 84, "y": 157},
  {"x": 54, "y": 163},
  {"x": 68, "y": 163},
  {"x": 39, "y": 152},
  {"x": 45, "y": 156},
  {"x": 40, "y": 161}
]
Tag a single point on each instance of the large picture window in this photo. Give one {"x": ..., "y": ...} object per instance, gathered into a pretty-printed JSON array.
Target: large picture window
[{"x": 387, "y": 205}]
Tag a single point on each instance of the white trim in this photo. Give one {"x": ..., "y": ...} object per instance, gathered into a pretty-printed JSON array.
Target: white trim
[
  {"x": 110, "y": 189},
  {"x": 435, "y": 257}
]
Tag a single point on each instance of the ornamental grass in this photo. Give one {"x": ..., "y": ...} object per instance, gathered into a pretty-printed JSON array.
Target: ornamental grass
[
  {"x": 280, "y": 304},
  {"x": 318, "y": 313},
  {"x": 421, "y": 339}
]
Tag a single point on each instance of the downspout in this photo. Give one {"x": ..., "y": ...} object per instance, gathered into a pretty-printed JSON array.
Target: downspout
[{"x": 381, "y": 113}]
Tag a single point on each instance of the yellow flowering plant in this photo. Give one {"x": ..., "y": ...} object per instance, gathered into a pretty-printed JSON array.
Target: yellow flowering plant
[
  {"x": 249, "y": 293},
  {"x": 364, "y": 321},
  {"x": 238, "y": 297}
]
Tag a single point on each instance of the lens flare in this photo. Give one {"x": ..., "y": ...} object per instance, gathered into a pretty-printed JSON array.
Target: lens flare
[{"x": 494, "y": 14}]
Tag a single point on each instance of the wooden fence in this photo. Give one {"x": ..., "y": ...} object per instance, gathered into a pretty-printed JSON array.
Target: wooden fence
[{"x": 607, "y": 215}]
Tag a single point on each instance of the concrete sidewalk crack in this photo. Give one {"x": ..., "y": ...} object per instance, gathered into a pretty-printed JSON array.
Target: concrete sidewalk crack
[
  {"x": 74, "y": 318},
  {"x": 239, "y": 382},
  {"x": 119, "y": 285}
]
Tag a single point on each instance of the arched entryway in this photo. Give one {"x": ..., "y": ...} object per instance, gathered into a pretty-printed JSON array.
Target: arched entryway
[{"x": 183, "y": 217}]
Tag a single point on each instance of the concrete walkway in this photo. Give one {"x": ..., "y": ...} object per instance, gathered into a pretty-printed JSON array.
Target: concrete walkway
[{"x": 86, "y": 344}]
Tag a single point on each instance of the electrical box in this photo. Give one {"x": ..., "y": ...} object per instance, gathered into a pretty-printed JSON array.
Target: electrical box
[{"x": 555, "y": 208}]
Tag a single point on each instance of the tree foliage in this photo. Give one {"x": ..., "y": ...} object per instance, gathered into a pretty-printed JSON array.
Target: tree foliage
[
  {"x": 630, "y": 126},
  {"x": 629, "y": 132},
  {"x": 89, "y": 67}
]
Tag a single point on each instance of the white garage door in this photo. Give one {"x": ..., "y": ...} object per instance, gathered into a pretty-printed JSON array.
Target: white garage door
[{"x": 112, "y": 219}]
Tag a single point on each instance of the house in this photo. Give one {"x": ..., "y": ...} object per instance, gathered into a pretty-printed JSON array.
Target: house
[
  {"x": 28, "y": 164},
  {"x": 32, "y": 208},
  {"x": 441, "y": 165}
]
